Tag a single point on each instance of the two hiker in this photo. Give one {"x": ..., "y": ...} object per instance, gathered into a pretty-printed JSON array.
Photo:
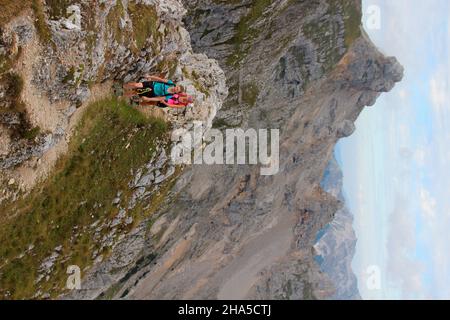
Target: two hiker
[{"x": 158, "y": 91}]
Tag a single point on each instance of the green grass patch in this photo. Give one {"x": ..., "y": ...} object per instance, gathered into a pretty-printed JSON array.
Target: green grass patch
[
  {"x": 352, "y": 21},
  {"x": 168, "y": 66},
  {"x": 145, "y": 23},
  {"x": 32, "y": 133},
  {"x": 325, "y": 32},
  {"x": 219, "y": 123},
  {"x": 70, "y": 75},
  {"x": 245, "y": 31},
  {"x": 74, "y": 75},
  {"x": 15, "y": 85},
  {"x": 57, "y": 9},
  {"x": 40, "y": 23},
  {"x": 89, "y": 24},
  {"x": 113, "y": 20},
  {"x": 196, "y": 80},
  {"x": 250, "y": 93},
  {"x": 112, "y": 141},
  {"x": 5, "y": 64}
]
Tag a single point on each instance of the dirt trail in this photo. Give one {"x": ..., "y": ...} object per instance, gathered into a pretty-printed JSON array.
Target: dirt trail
[
  {"x": 41, "y": 112},
  {"x": 34, "y": 170}
]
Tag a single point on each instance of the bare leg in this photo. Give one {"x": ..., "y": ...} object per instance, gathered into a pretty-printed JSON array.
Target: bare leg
[
  {"x": 147, "y": 103},
  {"x": 133, "y": 85}
]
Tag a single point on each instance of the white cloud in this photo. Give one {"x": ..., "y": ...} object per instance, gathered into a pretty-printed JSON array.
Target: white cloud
[
  {"x": 406, "y": 153},
  {"x": 420, "y": 156},
  {"x": 404, "y": 133},
  {"x": 403, "y": 270},
  {"x": 440, "y": 90},
  {"x": 403, "y": 94},
  {"x": 448, "y": 28},
  {"x": 427, "y": 203},
  {"x": 417, "y": 255}
]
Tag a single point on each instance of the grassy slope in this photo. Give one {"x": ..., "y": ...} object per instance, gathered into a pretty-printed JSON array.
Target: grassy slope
[{"x": 80, "y": 192}]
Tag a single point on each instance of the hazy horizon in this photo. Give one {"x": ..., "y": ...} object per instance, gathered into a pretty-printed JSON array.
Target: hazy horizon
[{"x": 395, "y": 176}]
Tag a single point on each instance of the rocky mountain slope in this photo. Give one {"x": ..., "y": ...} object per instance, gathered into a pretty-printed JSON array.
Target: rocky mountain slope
[
  {"x": 335, "y": 246},
  {"x": 78, "y": 168},
  {"x": 56, "y": 54},
  {"x": 304, "y": 67},
  {"x": 232, "y": 233}
]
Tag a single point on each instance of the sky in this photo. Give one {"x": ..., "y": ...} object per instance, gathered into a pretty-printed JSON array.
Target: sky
[{"x": 396, "y": 165}]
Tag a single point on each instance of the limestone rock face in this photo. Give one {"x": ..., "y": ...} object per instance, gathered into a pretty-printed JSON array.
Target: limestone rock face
[
  {"x": 371, "y": 71},
  {"x": 303, "y": 67},
  {"x": 347, "y": 128}
]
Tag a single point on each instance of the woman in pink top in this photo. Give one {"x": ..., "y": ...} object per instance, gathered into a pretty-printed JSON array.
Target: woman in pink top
[{"x": 180, "y": 100}]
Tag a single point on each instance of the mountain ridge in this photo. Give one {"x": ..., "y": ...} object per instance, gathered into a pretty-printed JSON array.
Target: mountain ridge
[
  {"x": 234, "y": 234},
  {"x": 224, "y": 231},
  {"x": 336, "y": 243}
]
